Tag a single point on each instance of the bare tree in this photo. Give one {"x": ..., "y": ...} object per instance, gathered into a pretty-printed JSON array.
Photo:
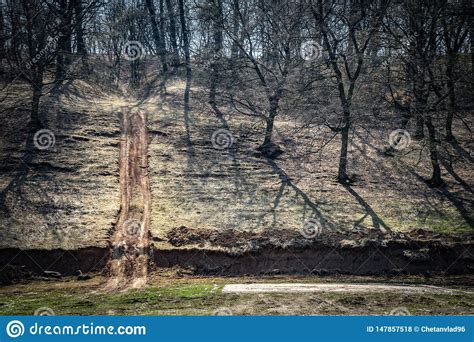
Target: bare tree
[
  {"x": 80, "y": 11},
  {"x": 268, "y": 46},
  {"x": 172, "y": 33},
  {"x": 65, "y": 13},
  {"x": 187, "y": 52},
  {"x": 347, "y": 32},
  {"x": 157, "y": 35},
  {"x": 2, "y": 38},
  {"x": 217, "y": 20},
  {"x": 455, "y": 30}
]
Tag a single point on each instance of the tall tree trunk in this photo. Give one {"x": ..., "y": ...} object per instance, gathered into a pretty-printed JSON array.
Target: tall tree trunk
[
  {"x": 217, "y": 20},
  {"x": 235, "y": 29},
  {"x": 267, "y": 141},
  {"x": 173, "y": 39},
  {"x": 2, "y": 40},
  {"x": 80, "y": 41},
  {"x": 420, "y": 104},
  {"x": 67, "y": 45},
  {"x": 64, "y": 42},
  {"x": 165, "y": 52},
  {"x": 274, "y": 102},
  {"x": 416, "y": 66},
  {"x": 342, "y": 176},
  {"x": 187, "y": 55},
  {"x": 15, "y": 29},
  {"x": 136, "y": 65},
  {"x": 78, "y": 15},
  {"x": 157, "y": 34},
  {"x": 162, "y": 30},
  {"x": 451, "y": 97},
  {"x": 471, "y": 43},
  {"x": 435, "y": 180},
  {"x": 273, "y": 112},
  {"x": 37, "y": 69}
]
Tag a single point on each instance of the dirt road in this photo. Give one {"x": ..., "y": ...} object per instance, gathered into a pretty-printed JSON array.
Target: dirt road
[{"x": 299, "y": 288}]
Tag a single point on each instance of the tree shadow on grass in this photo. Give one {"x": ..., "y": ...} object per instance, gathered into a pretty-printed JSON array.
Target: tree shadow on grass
[
  {"x": 457, "y": 201},
  {"x": 377, "y": 222},
  {"x": 314, "y": 206}
]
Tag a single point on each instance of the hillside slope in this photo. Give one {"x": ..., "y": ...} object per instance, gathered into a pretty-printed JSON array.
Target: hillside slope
[{"x": 69, "y": 197}]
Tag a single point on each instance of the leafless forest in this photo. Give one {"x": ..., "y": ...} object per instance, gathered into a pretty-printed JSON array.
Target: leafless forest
[{"x": 227, "y": 137}]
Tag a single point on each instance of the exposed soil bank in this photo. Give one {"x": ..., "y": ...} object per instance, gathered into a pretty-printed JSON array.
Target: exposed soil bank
[
  {"x": 371, "y": 258},
  {"x": 18, "y": 265},
  {"x": 366, "y": 252},
  {"x": 368, "y": 260}
]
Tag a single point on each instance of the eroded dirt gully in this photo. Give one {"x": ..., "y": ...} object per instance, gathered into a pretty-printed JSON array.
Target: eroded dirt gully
[{"x": 130, "y": 242}]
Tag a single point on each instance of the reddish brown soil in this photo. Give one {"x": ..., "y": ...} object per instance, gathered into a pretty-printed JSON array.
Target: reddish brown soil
[
  {"x": 229, "y": 253},
  {"x": 253, "y": 241},
  {"x": 365, "y": 252},
  {"x": 130, "y": 241}
]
